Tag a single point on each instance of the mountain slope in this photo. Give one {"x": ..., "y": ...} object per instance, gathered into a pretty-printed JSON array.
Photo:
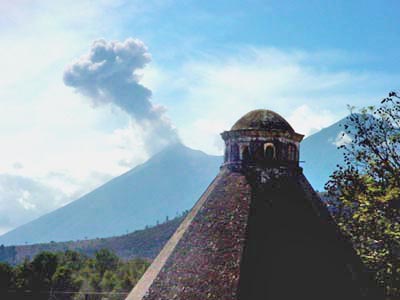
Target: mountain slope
[
  {"x": 320, "y": 154},
  {"x": 145, "y": 243},
  {"x": 165, "y": 185}
]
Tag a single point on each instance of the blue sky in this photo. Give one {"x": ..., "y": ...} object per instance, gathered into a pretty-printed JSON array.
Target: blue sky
[{"x": 211, "y": 62}]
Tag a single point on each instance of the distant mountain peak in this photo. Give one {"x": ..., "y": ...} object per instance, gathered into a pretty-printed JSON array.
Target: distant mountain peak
[{"x": 163, "y": 186}]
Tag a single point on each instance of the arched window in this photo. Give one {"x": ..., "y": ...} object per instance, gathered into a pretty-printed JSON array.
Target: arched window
[
  {"x": 292, "y": 152},
  {"x": 269, "y": 151},
  {"x": 244, "y": 153},
  {"x": 234, "y": 152},
  {"x": 258, "y": 152}
]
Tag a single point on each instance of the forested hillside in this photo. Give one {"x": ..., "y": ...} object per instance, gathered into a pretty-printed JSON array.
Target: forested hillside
[{"x": 144, "y": 243}]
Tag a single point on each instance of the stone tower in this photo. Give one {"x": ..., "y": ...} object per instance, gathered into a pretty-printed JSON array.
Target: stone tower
[{"x": 259, "y": 231}]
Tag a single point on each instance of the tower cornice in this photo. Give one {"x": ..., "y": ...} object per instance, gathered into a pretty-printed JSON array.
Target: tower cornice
[
  {"x": 264, "y": 139},
  {"x": 297, "y": 137}
]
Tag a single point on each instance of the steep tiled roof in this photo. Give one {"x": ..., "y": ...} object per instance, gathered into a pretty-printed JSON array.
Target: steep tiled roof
[
  {"x": 249, "y": 240},
  {"x": 259, "y": 232}
]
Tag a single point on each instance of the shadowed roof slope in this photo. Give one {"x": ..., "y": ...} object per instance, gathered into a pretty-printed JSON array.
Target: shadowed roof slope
[
  {"x": 259, "y": 232},
  {"x": 262, "y": 119},
  {"x": 253, "y": 241}
]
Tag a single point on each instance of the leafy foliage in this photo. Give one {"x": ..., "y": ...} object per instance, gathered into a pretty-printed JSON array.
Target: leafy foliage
[
  {"x": 71, "y": 275},
  {"x": 6, "y": 276},
  {"x": 105, "y": 261},
  {"x": 366, "y": 190}
]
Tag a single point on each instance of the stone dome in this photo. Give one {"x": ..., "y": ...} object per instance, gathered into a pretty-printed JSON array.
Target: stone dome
[{"x": 262, "y": 119}]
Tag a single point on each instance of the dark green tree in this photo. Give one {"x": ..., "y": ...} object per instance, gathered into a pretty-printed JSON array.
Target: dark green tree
[
  {"x": 63, "y": 280},
  {"x": 366, "y": 189},
  {"x": 23, "y": 276},
  {"x": 72, "y": 260},
  {"x": 62, "y": 273},
  {"x": 6, "y": 277},
  {"x": 109, "y": 281},
  {"x": 43, "y": 267},
  {"x": 105, "y": 260}
]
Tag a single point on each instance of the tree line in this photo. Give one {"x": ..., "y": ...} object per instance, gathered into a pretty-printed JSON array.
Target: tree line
[{"x": 71, "y": 275}]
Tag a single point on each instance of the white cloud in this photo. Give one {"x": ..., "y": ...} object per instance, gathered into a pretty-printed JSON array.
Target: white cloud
[
  {"x": 55, "y": 147},
  {"x": 64, "y": 146},
  {"x": 307, "y": 121},
  {"x": 4, "y": 229},
  {"x": 23, "y": 199},
  {"x": 205, "y": 134},
  {"x": 211, "y": 92},
  {"x": 342, "y": 139},
  {"x": 107, "y": 74}
]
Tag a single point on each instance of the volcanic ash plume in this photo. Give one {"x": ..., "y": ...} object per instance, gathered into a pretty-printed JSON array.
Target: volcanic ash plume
[{"x": 107, "y": 75}]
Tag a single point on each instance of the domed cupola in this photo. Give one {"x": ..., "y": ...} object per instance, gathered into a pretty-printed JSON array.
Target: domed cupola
[{"x": 264, "y": 139}]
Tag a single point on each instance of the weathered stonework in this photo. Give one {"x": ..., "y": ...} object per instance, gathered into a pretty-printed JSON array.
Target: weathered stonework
[
  {"x": 203, "y": 260},
  {"x": 259, "y": 232},
  {"x": 266, "y": 143}
]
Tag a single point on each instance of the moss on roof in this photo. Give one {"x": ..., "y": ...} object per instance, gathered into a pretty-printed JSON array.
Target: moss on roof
[{"x": 262, "y": 119}]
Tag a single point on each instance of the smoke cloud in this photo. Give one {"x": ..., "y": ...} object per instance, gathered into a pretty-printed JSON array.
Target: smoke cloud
[
  {"x": 107, "y": 75},
  {"x": 24, "y": 199}
]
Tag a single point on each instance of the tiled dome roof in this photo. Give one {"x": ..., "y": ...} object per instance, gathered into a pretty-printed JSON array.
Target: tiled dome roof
[{"x": 262, "y": 119}]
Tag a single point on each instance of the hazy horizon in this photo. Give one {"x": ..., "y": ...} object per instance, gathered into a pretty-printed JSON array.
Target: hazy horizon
[{"x": 90, "y": 90}]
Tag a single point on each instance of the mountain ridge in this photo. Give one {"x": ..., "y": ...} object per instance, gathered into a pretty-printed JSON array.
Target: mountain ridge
[
  {"x": 167, "y": 184},
  {"x": 145, "y": 243},
  {"x": 128, "y": 202}
]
